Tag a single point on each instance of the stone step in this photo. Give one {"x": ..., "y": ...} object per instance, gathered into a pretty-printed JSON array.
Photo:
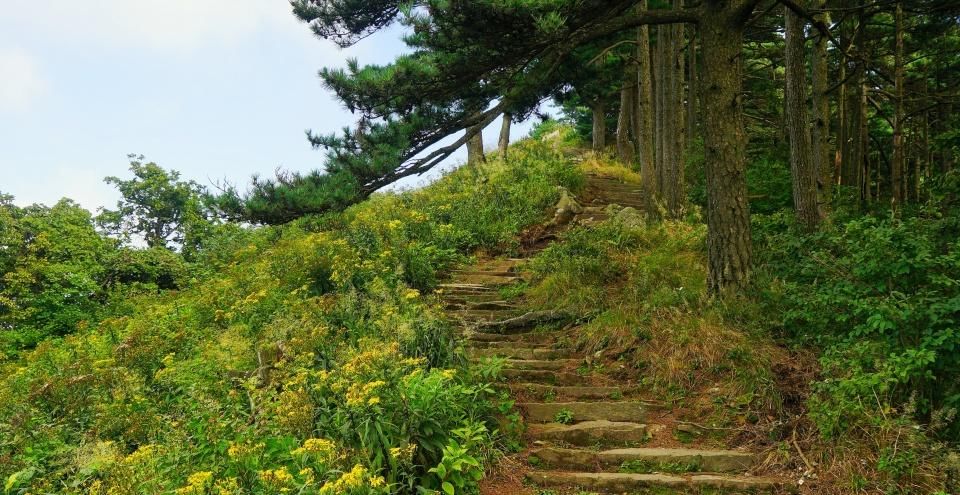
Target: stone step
[
  {"x": 491, "y": 273},
  {"x": 465, "y": 287},
  {"x": 620, "y": 194},
  {"x": 487, "y": 280},
  {"x": 590, "y": 433},
  {"x": 550, "y": 412},
  {"x": 647, "y": 460},
  {"x": 570, "y": 392},
  {"x": 539, "y": 364},
  {"x": 546, "y": 377},
  {"x": 538, "y": 337},
  {"x": 512, "y": 344},
  {"x": 482, "y": 315},
  {"x": 494, "y": 305},
  {"x": 471, "y": 298},
  {"x": 520, "y": 353},
  {"x": 632, "y": 483}
]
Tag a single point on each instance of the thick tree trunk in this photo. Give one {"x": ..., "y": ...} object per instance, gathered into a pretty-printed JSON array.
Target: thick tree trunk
[
  {"x": 820, "y": 133},
  {"x": 625, "y": 147},
  {"x": 672, "y": 130},
  {"x": 897, "y": 167},
  {"x": 599, "y": 126},
  {"x": 729, "y": 245},
  {"x": 693, "y": 95},
  {"x": 648, "y": 173},
  {"x": 803, "y": 170},
  {"x": 863, "y": 137},
  {"x": 475, "y": 149},
  {"x": 504, "y": 142},
  {"x": 679, "y": 134},
  {"x": 851, "y": 158},
  {"x": 660, "y": 123}
]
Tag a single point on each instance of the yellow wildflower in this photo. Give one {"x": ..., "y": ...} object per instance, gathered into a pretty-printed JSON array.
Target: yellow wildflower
[
  {"x": 277, "y": 479},
  {"x": 197, "y": 483},
  {"x": 228, "y": 486},
  {"x": 403, "y": 454},
  {"x": 238, "y": 451},
  {"x": 320, "y": 450},
  {"x": 357, "y": 478},
  {"x": 143, "y": 455}
]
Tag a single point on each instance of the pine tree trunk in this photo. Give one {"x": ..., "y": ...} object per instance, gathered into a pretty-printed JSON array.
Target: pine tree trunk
[
  {"x": 679, "y": 134},
  {"x": 863, "y": 137},
  {"x": 851, "y": 158},
  {"x": 803, "y": 170},
  {"x": 659, "y": 129},
  {"x": 625, "y": 145},
  {"x": 671, "y": 121},
  {"x": 599, "y": 126},
  {"x": 729, "y": 247},
  {"x": 648, "y": 173},
  {"x": 897, "y": 167},
  {"x": 820, "y": 133},
  {"x": 693, "y": 93},
  {"x": 504, "y": 144},
  {"x": 475, "y": 149}
]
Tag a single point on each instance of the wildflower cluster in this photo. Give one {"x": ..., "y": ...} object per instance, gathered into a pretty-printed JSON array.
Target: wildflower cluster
[
  {"x": 357, "y": 481},
  {"x": 318, "y": 450},
  {"x": 277, "y": 480},
  {"x": 197, "y": 484}
]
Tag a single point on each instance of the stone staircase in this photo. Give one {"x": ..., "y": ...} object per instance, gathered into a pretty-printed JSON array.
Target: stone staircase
[{"x": 584, "y": 431}]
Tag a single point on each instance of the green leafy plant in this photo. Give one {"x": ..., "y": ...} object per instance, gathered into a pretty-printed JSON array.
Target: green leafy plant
[
  {"x": 459, "y": 470},
  {"x": 564, "y": 417}
]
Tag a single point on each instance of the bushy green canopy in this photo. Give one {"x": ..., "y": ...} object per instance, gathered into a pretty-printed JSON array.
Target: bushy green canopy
[{"x": 470, "y": 61}]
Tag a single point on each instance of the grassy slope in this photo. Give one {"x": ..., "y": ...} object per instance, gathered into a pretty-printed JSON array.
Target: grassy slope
[
  {"x": 323, "y": 329},
  {"x": 327, "y": 329}
]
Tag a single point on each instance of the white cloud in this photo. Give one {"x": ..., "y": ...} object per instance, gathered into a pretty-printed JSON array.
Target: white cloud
[
  {"x": 158, "y": 24},
  {"x": 21, "y": 80}
]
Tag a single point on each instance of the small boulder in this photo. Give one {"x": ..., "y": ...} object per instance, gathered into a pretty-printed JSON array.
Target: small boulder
[{"x": 629, "y": 217}]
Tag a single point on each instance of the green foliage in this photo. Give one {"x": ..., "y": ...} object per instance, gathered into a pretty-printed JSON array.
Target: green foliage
[
  {"x": 311, "y": 357},
  {"x": 53, "y": 269},
  {"x": 564, "y": 417},
  {"x": 458, "y": 472},
  {"x": 881, "y": 297},
  {"x": 155, "y": 205},
  {"x": 768, "y": 178},
  {"x": 639, "y": 291}
]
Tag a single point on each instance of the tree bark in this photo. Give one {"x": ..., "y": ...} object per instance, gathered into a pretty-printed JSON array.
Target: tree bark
[
  {"x": 672, "y": 129},
  {"x": 648, "y": 173},
  {"x": 897, "y": 167},
  {"x": 803, "y": 169},
  {"x": 625, "y": 147},
  {"x": 820, "y": 133},
  {"x": 504, "y": 144},
  {"x": 693, "y": 95},
  {"x": 851, "y": 156},
  {"x": 599, "y": 126},
  {"x": 475, "y": 149},
  {"x": 659, "y": 129},
  {"x": 679, "y": 134},
  {"x": 729, "y": 246}
]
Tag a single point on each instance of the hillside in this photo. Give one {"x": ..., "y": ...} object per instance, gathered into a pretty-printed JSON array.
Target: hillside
[{"x": 515, "y": 327}]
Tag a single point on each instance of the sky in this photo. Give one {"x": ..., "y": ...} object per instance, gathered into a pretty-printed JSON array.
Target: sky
[{"x": 215, "y": 89}]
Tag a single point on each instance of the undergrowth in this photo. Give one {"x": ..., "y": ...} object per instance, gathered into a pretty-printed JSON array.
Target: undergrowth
[
  {"x": 641, "y": 290},
  {"x": 878, "y": 296},
  {"x": 307, "y": 358}
]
